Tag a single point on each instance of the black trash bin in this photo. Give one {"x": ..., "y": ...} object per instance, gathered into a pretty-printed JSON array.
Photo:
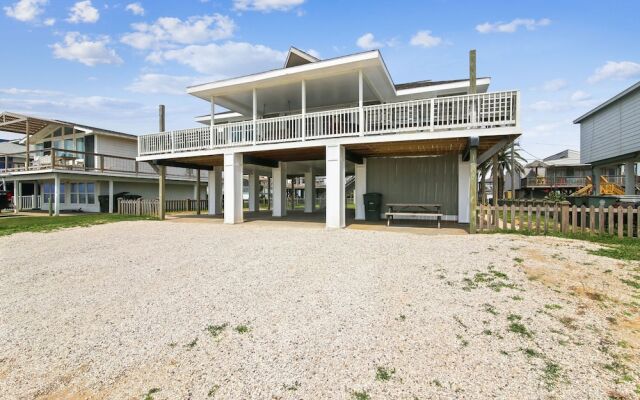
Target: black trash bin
[
  {"x": 372, "y": 206},
  {"x": 103, "y": 199}
]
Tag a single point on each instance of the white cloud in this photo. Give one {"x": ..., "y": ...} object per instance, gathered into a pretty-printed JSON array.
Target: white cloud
[
  {"x": 618, "y": 70},
  {"x": 543, "y": 105},
  {"x": 266, "y": 5},
  {"x": 81, "y": 48},
  {"x": 554, "y": 85},
  {"x": 135, "y": 8},
  {"x": 425, "y": 39},
  {"x": 368, "y": 42},
  {"x": 222, "y": 60},
  {"x": 168, "y": 31},
  {"x": 83, "y": 12},
  {"x": 579, "y": 96},
  {"x": 25, "y": 10},
  {"x": 31, "y": 92},
  {"x": 511, "y": 27},
  {"x": 160, "y": 83},
  {"x": 49, "y": 21}
]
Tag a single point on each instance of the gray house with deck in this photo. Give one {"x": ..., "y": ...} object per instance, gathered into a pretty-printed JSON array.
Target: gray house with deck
[{"x": 610, "y": 136}]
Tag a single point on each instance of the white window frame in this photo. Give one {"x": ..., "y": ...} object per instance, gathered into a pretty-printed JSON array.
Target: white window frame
[{"x": 80, "y": 191}]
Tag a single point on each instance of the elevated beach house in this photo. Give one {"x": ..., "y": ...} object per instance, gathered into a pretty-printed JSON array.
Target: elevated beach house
[
  {"x": 70, "y": 165},
  {"x": 417, "y": 142},
  {"x": 610, "y": 141}
]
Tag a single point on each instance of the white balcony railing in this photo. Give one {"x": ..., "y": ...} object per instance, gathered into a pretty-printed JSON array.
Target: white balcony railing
[{"x": 479, "y": 111}]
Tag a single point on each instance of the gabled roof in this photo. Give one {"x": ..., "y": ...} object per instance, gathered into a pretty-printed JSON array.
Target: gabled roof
[
  {"x": 612, "y": 100},
  {"x": 297, "y": 57},
  {"x": 17, "y": 123}
]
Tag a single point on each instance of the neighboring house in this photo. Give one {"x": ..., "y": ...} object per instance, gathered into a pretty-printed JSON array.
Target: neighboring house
[
  {"x": 610, "y": 139},
  {"x": 417, "y": 142},
  {"x": 79, "y": 163},
  {"x": 561, "y": 172}
]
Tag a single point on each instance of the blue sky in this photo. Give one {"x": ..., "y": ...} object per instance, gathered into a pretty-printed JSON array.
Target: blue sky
[{"x": 110, "y": 63}]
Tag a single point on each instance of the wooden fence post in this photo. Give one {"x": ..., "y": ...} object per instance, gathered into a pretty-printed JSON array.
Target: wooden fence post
[
  {"x": 592, "y": 220},
  {"x": 620, "y": 222},
  {"x": 611, "y": 222},
  {"x": 565, "y": 216},
  {"x": 119, "y": 205},
  {"x": 630, "y": 221},
  {"x": 481, "y": 217},
  {"x": 138, "y": 210},
  {"x": 601, "y": 218},
  {"x": 583, "y": 218},
  {"x": 574, "y": 219}
]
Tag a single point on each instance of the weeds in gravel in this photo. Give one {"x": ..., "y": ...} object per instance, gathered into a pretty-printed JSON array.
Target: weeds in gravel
[
  {"x": 551, "y": 374},
  {"x": 518, "y": 260},
  {"x": 568, "y": 322},
  {"x": 401, "y": 317},
  {"x": 436, "y": 383},
  {"x": 150, "y": 393},
  {"x": 494, "y": 280},
  {"x": 293, "y": 387},
  {"x": 531, "y": 353},
  {"x": 360, "y": 395},
  {"x": 192, "y": 344},
  {"x": 517, "y": 327},
  {"x": 490, "y": 309},
  {"x": 517, "y": 298},
  {"x": 216, "y": 330},
  {"x": 463, "y": 341},
  {"x": 384, "y": 374},
  {"x": 242, "y": 329},
  {"x": 553, "y": 306},
  {"x": 212, "y": 392}
]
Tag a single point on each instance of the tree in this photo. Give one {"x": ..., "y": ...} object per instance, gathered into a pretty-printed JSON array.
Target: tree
[{"x": 504, "y": 169}]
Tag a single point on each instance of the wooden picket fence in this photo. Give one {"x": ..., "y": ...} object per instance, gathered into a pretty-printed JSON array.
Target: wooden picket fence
[
  {"x": 151, "y": 207},
  {"x": 543, "y": 218},
  {"x": 138, "y": 207},
  {"x": 185, "y": 205}
]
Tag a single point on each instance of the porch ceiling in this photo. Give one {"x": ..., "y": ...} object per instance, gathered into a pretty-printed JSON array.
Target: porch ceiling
[{"x": 382, "y": 149}]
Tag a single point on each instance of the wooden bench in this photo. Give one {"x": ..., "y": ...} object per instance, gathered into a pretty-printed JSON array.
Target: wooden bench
[{"x": 413, "y": 210}]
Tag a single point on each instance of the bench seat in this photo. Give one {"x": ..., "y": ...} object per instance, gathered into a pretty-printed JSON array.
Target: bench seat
[{"x": 391, "y": 215}]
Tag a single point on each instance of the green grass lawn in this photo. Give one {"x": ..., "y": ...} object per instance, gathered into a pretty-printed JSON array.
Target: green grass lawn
[
  {"x": 11, "y": 225},
  {"x": 619, "y": 248}
]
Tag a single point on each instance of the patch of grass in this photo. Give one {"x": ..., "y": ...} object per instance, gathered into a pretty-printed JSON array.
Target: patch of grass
[
  {"x": 517, "y": 298},
  {"x": 463, "y": 341},
  {"x": 360, "y": 395},
  {"x": 551, "y": 374},
  {"x": 490, "y": 309},
  {"x": 633, "y": 283},
  {"x": 293, "y": 387},
  {"x": 517, "y": 327},
  {"x": 150, "y": 393},
  {"x": 242, "y": 329},
  {"x": 568, "y": 322},
  {"x": 192, "y": 344},
  {"x": 11, "y": 225},
  {"x": 384, "y": 374},
  {"x": 531, "y": 353},
  {"x": 216, "y": 330},
  {"x": 487, "y": 332},
  {"x": 436, "y": 383},
  {"x": 212, "y": 392},
  {"x": 518, "y": 260},
  {"x": 513, "y": 317},
  {"x": 401, "y": 317},
  {"x": 553, "y": 306}
]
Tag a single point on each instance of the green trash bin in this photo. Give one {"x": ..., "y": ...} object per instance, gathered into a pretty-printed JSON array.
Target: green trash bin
[{"x": 372, "y": 206}]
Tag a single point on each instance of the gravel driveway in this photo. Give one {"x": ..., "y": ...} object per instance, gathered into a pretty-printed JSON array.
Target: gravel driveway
[{"x": 174, "y": 310}]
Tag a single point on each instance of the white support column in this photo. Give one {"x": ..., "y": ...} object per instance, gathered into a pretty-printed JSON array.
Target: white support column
[
  {"x": 309, "y": 192},
  {"x": 596, "y": 172},
  {"x": 255, "y": 115},
  {"x": 254, "y": 191},
  {"x": 629, "y": 178},
  {"x": 110, "y": 197},
  {"x": 233, "y": 188},
  {"x": 56, "y": 194},
  {"x": 360, "y": 188},
  {"x": 279, "y": 175},
  {"x": 212, "y": 123},
  {"x": 463, "y": 190},
  {"x": 17, "y": 193},
  {"x": 360, "y": 102},
  {"x": 335, "y": 186},
  {"x": 215, "y": 191},
  {"x": 162, "y": 181},
  {"x": 304, "y": 109}
]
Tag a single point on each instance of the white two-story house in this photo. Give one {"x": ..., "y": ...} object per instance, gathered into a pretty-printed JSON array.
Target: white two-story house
[
  {"x": 417, "y": 142},
  {"x": 68, "y": 167}
]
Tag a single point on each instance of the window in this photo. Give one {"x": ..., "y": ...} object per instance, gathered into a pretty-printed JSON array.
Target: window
[
  {"x": 47, "y": 192},
  {"x": 83, "y": 193}
]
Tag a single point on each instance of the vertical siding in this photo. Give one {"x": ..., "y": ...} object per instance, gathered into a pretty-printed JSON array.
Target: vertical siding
[
  {"x": 416, "y": 180},
  {"x": 613, "y": 131}
]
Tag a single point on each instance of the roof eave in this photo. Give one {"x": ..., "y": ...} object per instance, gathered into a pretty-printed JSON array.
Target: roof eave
[{"x": 608, "y": 102}]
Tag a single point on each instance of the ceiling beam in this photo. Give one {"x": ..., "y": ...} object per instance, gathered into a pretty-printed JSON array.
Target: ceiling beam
[
  {"x": 493, "y": 150},
  {"x": 263, "y": 162}
]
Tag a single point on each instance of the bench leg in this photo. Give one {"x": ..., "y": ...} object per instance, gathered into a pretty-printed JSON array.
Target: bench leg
[
  {"x": 438, "y": 222},
  {"x": 388, "y": 220}
]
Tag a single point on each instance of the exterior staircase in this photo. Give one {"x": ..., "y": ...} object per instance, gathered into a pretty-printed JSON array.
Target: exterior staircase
[{"x": 606, "y": 188}]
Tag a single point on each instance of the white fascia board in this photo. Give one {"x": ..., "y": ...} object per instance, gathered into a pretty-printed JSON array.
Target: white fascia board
[
  {"x": 399, "y": 137},
  {"x": 445, "y": 86},
  {"x": 302, "y": 71},
  {"x": 205, "y": 119}
]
